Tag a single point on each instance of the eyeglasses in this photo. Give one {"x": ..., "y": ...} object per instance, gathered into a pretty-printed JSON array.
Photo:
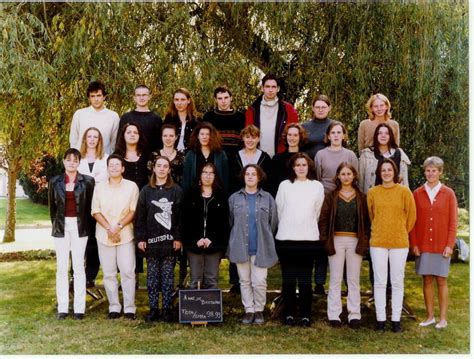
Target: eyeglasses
[{"x": 205, "y": 173}]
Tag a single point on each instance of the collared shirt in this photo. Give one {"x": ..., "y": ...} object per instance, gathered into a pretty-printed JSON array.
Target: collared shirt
[
  {"x": 432, "y": 192},
  {"x": 114, "y": 202}
]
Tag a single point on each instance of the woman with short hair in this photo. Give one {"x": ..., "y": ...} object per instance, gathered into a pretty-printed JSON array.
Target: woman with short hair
[
  {"x": 69, "y": 198},
  {"x": 253, "y": 219},
  {"x": 392, "y": 212},
  {"x": 433, "y": 238}
]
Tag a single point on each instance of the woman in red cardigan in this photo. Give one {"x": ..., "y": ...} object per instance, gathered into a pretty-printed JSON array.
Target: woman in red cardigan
[{"x": 433, "y": 237}]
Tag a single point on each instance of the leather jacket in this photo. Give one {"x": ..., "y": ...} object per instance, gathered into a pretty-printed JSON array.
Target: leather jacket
[{"x": 83, "y": 191}]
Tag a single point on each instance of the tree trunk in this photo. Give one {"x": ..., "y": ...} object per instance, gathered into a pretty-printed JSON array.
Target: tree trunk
[{"x": 10, "y": 222}]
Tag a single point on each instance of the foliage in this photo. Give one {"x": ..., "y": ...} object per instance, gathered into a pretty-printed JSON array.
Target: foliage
[
  {"x": 29, "y": 214},
  {"x": 35, "y": 179},
  {"x": 28, "y": 324}
]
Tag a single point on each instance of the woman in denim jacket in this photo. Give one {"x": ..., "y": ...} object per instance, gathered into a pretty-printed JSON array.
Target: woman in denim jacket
[{"x": 253, "y": 218}]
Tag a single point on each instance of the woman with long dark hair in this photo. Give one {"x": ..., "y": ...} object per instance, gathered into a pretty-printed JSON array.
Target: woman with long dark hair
[
  {"x": 384, "y": 146},
  {"x": 345, "y": 227},
  {"x": 299, "y": 200},
  {"x": 206, "y": 233}
]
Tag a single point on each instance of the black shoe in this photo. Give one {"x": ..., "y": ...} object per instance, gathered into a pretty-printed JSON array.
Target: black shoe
[
  {"x": 354, "y": 323},
  {"x": 167, "y": 316},
  {"x": 380, "y": 326},
  {"x": 319, "y": 289},
  {"x": 335, "y": 323},
  {"x": 304, "y": 322},
  {"x": 289, "y": 320},
  {"x": 113, "y": 315},
  {"x": 130, "y": 316},
  {"x": 153, "y": 316},
  {"x": 78, "y": 316},
  {"x": 90, "y": 284},
  {"x": 235, "y": 289},
  {"x": 396, "y": 327},
  {"x": 61, "y": 316}
]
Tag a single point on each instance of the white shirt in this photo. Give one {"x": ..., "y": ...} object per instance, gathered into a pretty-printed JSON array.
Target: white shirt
[
  {"x": 106, "y": 121},
  {"x": 432, "y": 192},
  {"x": 299, "y": 205},
  {"x": 99, "y": 170}
]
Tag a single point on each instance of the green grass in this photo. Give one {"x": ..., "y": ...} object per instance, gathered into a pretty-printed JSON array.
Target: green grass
[
  {"x": 28, "y": 324},
  {"x": 27, "y": 213}
]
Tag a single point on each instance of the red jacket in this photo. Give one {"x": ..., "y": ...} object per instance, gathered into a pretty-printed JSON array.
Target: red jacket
[
  {"x": 436, "y": 223},
  {"x": 286, "y": 114}
]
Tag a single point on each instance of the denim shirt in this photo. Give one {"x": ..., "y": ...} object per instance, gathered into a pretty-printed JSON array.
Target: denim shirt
[{"x": 267, "y": 221}]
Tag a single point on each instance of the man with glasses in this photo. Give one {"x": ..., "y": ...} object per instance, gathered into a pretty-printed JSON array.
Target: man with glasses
[{"x": 148, "y": 121}]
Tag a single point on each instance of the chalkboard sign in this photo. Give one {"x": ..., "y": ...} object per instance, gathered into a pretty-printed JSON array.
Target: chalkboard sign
[{"x": 203, "y": 305}]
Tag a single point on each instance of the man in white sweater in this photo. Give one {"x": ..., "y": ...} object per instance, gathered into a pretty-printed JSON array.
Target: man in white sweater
[{"x": 96, "y": 115}]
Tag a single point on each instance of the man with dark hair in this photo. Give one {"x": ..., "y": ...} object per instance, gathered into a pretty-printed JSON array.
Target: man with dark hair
[
  {"x": 96, "y": 115},
  {"x": 149, "y": 121},
  {"x": 271, "y": 114},
  {"x": 226, "y": 120}
]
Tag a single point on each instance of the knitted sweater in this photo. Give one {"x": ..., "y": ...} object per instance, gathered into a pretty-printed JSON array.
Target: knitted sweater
[
  {"x": 392, "y": 212},
  {"x": 326, "y": 162},
  {"x": 299, "y": 205},
  {"x": 365, "y": 136},
  {"x": 316, "y": 130}
]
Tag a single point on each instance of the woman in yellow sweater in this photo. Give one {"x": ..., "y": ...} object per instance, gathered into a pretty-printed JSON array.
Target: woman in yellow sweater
[{"x": 392, "y": 212}]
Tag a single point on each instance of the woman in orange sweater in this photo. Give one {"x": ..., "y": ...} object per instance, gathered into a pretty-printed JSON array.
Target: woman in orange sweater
[
  {"x": 433, "y": 237},
  {"x": 393, "y": 214}
]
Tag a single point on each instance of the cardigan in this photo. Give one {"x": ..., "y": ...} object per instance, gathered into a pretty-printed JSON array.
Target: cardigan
[
  {"x": 436, "y": 224},
  {"x": 267, "y": 220},
  {"x": 392, "y": 212},
  {"x": 368, "y": 165},
  {"x": 327, "y": 220}
]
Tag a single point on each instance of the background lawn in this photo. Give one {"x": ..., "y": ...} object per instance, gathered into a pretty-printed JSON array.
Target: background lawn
[
  {"x": 28, "y": 213},
  {"x": 28, "y": 324}
]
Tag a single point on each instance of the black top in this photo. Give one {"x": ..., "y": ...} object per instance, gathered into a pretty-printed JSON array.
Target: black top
[
  {"x": 229, "y": 124},
  {"x": 236, "y": 166},
  {"x": 280, "y": 170},
  {"x": 158, "y": 219},
  {"x": 346, "y": 216},
  {"x": 150, "y": 125},
  {"x": 190, "y": 124},
  {"x": 137, "y": 171},
  {"x": 176, "y": 165}
]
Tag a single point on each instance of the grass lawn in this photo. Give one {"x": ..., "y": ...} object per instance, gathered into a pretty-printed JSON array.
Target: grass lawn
[
  {"x": 28, "y": 324},
  {"x": 27, "y": 213}
]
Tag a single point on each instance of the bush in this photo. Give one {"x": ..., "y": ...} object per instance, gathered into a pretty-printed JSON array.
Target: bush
[{"x": 35, "y": 180}]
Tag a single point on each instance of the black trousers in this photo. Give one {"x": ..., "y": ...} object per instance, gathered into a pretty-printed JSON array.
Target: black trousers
[
  {"x": 92, "y": 253},
  {"x": 296, "y": 261}
]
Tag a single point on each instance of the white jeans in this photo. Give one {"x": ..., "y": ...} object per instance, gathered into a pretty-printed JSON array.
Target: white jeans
[
  {"x": 253, "y": 286},
  {"x": 397, "y": 257},
  {"x": 71, "y": 242},
  {"x": 122, "y": 256},
  {"x": 345, "y": 252}
]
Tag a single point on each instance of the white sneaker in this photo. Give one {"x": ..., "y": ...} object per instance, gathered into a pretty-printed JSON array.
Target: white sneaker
[
  {"x": 442, "y": 324},
  {"x": 428, "y": 322}
]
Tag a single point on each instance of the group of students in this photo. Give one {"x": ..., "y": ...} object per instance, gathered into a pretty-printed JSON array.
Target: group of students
[{"x": 256, "y": 188}]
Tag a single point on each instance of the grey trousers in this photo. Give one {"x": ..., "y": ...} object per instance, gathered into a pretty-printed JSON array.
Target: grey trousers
[{"x": 204, "y": 269}]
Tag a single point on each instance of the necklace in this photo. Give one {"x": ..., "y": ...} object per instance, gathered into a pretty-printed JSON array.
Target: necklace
[{"x": 168, "y": 154}]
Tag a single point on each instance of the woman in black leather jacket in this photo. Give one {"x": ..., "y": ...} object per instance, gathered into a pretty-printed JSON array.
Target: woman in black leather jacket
[{"x": 70, "y": 196}]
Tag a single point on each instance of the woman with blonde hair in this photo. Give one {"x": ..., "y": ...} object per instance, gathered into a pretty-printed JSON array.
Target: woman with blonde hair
[
  {"x": 93, "y": 163},
  {"x": 183, "y": 115},
  {"x": 379, "y": 111}
]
